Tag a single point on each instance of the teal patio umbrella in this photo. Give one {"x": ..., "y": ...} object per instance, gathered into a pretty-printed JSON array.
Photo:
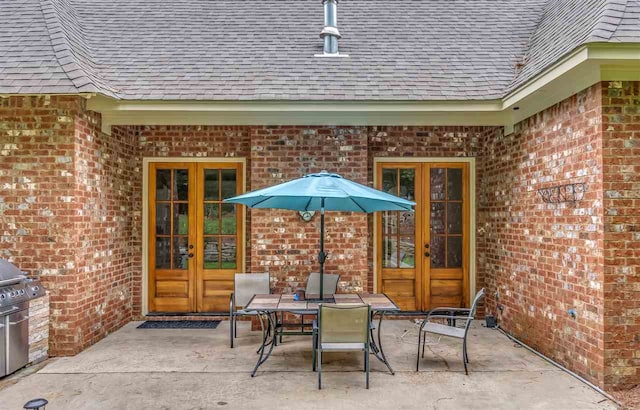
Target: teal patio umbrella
[{"x": 320, "y": 192}]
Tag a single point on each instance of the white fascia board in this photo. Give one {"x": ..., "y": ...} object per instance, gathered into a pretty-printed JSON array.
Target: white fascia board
[
  {"x": 110, "y": 104},
  {"x": 572, "y": 61},
  {"x": 364, "y": 118}
]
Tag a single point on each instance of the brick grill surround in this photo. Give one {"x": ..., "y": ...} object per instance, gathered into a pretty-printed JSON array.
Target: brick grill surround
[{"x": 71, "y": 212}]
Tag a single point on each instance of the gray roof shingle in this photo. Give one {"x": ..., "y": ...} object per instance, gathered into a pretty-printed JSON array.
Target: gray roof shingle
[
  {"x": 567, "y": 24},
  {"x": 264, "y": 50}
]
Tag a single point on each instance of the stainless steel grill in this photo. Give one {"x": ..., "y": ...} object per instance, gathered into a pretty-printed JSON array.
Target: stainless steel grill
[{"x": 15, "y": 292}]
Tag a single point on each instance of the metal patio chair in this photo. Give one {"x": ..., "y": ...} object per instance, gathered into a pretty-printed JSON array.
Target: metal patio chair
[
  {"x": 313, "y": 284},
  {"x": 450, "y": 329},
  {"x": 341, "y": 328},
  {"x": 245, "y": 286},
  {"x": 312, "y": 288}
]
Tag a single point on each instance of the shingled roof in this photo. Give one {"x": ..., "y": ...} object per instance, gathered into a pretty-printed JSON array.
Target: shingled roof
[{"x": 264, "y": 50}]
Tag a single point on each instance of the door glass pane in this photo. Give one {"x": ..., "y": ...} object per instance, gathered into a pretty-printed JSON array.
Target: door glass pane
[
  {"x": 389, "y": 252},
  {"x": 228, "y": 219},
  {"x": 437, "y": 251},
  {"x": 180, "y": 219},
  {"x": 407, "y": 252},
  {"x": 454, "y": 252},
  {"x": 211, "y": 191},
  {"x": 228, "y": 253},
  {"x": 181, "y": 185},
  {"x": 407, "y": 184},
  {"x": 438, "y": 217},
  {"x": 454, "y": 217},
  {"x": 163, "y": 184},
  {"x": 163, "y": 219},
  {"x": 228, "y": 183},
  {"x": 454, "y": 184},
  {"x": 163, "y": 253},
  {"x": 211, "y": 253},
  {"x": 211, "y": 219},
  {"x": 390, "y": 180},
  {"x": 407, "y": 223},
  {"x": 389, "y": 222},
  {"x": 437, "y": 181},
  {"x": 180, "y": 253}
]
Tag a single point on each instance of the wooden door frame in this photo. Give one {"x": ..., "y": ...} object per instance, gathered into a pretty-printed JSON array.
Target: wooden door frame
[
  {"x": 471, "y": 161},
  {"x": 145, "y": 214}
]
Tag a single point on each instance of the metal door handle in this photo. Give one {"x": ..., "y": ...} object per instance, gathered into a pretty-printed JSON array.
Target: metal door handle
[{"x": 19, "y": 321}]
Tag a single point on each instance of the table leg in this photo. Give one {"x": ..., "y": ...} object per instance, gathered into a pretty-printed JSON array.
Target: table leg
[
  {"x": 376, "y": 345},
  {"x": 263, "y": 357}
]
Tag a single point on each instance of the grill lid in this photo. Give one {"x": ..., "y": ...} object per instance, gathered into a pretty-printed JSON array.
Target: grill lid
[{"x": 9, "y": 273}]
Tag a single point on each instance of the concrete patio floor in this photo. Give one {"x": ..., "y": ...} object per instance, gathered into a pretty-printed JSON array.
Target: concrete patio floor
[{"x": 195, "y": 369}]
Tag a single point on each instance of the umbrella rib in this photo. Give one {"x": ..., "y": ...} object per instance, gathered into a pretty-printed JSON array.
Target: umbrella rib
[
  {"x": 306, "y": 207},
  {"x": 355, "y": 202},
  {"x": 259, "y": 202}
]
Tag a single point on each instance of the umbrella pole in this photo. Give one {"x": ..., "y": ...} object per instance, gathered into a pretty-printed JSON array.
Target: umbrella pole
[{"x": 322, "y": 256}]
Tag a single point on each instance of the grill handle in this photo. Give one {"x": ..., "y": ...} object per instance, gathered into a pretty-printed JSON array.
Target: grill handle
[
  {"x": 12, "y": 281},
  {"x": 10, "y": 310},
  {"x": 19, "y": 321}
]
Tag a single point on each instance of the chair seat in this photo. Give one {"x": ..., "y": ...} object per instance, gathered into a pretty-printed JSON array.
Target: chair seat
[
  {"x": 337, "y": 347},
  {"x": 444, "y": 330}
]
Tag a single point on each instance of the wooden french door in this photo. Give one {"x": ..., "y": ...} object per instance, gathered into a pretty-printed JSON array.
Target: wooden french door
[
  {"x": 195, "y": 241},
  {"x": 423, "y": 256}
]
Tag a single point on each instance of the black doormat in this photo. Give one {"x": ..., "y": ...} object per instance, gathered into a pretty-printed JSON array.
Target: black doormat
[{"x": 179, "y": 324}]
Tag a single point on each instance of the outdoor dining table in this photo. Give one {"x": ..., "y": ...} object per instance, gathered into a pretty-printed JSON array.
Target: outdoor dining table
[{"x": 267, "y": 307}]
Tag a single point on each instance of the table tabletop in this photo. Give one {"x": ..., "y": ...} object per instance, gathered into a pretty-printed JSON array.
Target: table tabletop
[{"x": 285, "y": 302}]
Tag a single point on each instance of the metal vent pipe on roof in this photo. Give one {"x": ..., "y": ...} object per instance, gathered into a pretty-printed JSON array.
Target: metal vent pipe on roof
[{"x": 330, "y": 33}]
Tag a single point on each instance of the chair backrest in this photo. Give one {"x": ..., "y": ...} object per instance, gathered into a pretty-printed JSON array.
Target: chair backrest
[
  {"x": 476, "y": 300},
  {"x": 344, "y": 323},
  {"x": 330, "y": 284},
  {"x": 472, "y": 311},
  {"x": 248, "y": 284}
]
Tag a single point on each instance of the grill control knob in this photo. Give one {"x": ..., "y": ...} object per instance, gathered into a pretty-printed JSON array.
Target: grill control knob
[
  {"x": 22, "y": 291},
  {"x": 3, "y": 296}
]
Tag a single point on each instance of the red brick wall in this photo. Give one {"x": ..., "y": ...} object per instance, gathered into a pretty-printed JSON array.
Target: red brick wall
[
  {"x": 280, "y": 241},
  {"x": 105, "y": 171},
  {"x": 621, "y": 158},
  {"x": 544, "y": 259},
  {"x": 37, "y": 212},
  {"x": 64, "y": 214}
]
